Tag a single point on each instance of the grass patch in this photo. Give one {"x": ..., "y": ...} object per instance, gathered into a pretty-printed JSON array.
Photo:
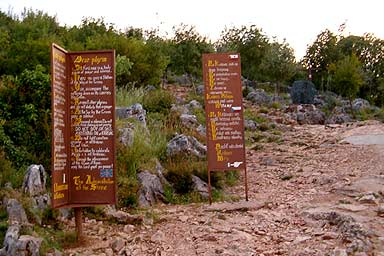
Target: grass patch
[{"x": 128, "y": 96}]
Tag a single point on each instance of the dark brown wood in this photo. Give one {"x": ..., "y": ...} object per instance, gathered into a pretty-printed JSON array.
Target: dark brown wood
[
  {"x": 83, "y": 128},
  {"x": 209, "y": 187},
  {"x": 79, "y": 223},
  {"x": 224, "y": 113}
]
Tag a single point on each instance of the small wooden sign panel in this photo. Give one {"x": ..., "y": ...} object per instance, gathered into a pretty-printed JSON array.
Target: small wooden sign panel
[
  {"x": 83, "y": 128},
  {"x": 224, "y": 112}
]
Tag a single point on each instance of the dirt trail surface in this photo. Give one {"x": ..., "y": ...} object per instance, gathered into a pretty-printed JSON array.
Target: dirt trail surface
[{"x": 313, "y": 194}]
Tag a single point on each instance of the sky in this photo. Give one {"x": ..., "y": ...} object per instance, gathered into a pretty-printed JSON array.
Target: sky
[{"x": 297, "y": 21}]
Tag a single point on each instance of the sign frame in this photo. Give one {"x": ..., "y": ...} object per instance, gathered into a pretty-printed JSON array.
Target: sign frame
[
  {"x": 83, "y": 128},
  {"x": 224, "y": 114}
]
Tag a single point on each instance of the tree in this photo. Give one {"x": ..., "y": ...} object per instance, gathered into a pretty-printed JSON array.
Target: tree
[
  {"x": 278, "y": 64},
  {"x": 187, "y": 47},
  {"x": 320, "y": 55},
  {"x": 252, "y": 45},
  {"x": 347, "y": 77}
]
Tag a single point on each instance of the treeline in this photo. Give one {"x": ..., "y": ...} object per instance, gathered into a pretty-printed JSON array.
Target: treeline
[{"x": 144, "y": 57}]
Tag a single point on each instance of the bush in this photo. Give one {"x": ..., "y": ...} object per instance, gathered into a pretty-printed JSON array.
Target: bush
[{"x": 158, "y": 101}]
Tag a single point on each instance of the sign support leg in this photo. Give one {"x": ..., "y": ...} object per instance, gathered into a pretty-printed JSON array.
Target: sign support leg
[
  {"x": 246, "y": 184},
  {"x": 79, "y": 223},
  {"x": 209, "y": 187}
]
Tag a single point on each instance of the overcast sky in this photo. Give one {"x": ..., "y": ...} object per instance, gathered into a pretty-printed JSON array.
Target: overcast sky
[{"x": 297, "y": 21}]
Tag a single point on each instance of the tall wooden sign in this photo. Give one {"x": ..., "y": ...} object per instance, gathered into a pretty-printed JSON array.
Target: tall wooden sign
[
  {"x": 83, "y": 133},
  {"x": 224, "y": 113}
]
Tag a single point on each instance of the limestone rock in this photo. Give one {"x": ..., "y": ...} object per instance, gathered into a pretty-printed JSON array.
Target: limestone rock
[
  {"x": 121, "y": 216},
  {"x": 200, "y": 186},
  {"x": 303, "y": 92},
  {"x": 16, "y": 212},
  {"x": 126, "y": 136},
  {"x": 250, "y": 125},
  {"x": 135, "y": 111},
  {"x": 259, "y": 97},
  {"x": 35, "y": 180},
  {"x": 28, "y": 245},
  {"x": 10, "y": 239},
  {"x": 189, "y": 121},
  {"x": 187, "y": 146},
  {"x": 360, "y": 104},
  {"x": 151, "y": 190}
]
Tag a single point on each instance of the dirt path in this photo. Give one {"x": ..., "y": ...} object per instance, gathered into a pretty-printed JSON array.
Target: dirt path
[{"x": 313, "y": 194}]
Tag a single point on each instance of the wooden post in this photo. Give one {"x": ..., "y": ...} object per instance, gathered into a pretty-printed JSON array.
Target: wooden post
[
  {"x": 246, "y": 184},
  {"x": 79, "y": 223},
  {"x": 209, "y": 187}
]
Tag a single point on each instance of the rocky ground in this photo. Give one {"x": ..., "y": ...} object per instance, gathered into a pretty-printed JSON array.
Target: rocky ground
[{"x": 314, "y": 193}]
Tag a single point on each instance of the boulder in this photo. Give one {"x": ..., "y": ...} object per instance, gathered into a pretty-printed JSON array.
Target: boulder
[
  {"x": 151, "y": 189},
  {"x": 309, "y": 114},
  {"x": 339, "y": 118},
  {"x": 200, "y": 89},
  {"x": 28, "y": 245},
  {"x": 193, "y": 104},
  {"x": 201, "y": 130},
  {"x": 35, "y": 186},
  {"x": 360, "y": 104},
  {"x": 303, "y": 92},
  {"x": 182, "y": 145},
  {"x": 126, "y": 135},
  {"x": 189, "y": 121},
  {"x": 16, "y": 212},
  {"x": 10, "y": 240},
  {"x": 200, "y": 186},
  {"x": 259, "y": 97},
  {"x": 135, "y": 111},
  {"x": 35, "y": 180},
  {"x": 250, "y": 125},
  {"x": 150, "y": 87}
]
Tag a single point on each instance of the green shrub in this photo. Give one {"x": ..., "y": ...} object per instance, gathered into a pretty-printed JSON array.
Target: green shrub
[{"x": 158, "y": 101}]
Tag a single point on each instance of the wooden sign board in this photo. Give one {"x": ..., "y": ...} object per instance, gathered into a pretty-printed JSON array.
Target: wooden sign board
[
  {"x": 83, "y": 128},
  {"x": 224, "y": 112}
]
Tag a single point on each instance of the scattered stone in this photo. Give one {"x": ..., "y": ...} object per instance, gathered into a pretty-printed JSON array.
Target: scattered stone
[
  {"x": 129, "y": 228},
  {"x": 330, "y": 236},
  {"x": 250, "y": 125},
  {"x": 121, "y": 216},
  {"x": 158, "y": 237},
  {"x": 151, "y": 190},
  {"x": 368, "y": 198},
  {"x": 237, "y": 206},
  {"x": 303, "y": 92},
  {"x": 186, "y": 146},
  {"x": 380, "y": 210},
  {"x": 35, "y": 180},
  {"x": 339, "y": 252},
  {"x": 117, "y": 244},
  {"x": 183, "y": 218},
  {"x": 301, "y": 239}
]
